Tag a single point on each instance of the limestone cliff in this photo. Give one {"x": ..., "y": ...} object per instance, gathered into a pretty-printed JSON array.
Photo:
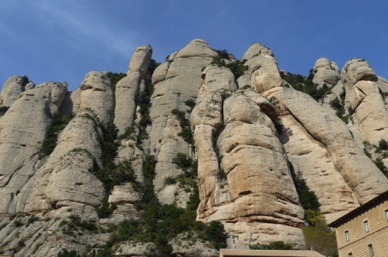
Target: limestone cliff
[{"x": 125, "y": 164}]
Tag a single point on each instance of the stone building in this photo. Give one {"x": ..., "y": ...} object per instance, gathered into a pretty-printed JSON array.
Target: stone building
[
  {"x": 268, "y": 253},
  {"x": 364, "y": 230}
]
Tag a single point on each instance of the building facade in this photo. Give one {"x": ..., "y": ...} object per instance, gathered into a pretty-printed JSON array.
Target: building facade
[{"x": 363, "y": 232}]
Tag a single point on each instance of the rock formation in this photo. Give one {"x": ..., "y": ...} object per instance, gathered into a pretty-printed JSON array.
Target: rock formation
[
  {"x": 325, "y": 72},
  {"x": 130, "y": 87},
  {"x": 12, "y": 89},
  {"x": 363, "y": 98},
  {"x": 175, "y": 82},
  {"x": 118, "y": 167},
  {"x": 66, "y": 177},
  {"x": 20, "y": 144},
  {"x": 96, "y": 95}
]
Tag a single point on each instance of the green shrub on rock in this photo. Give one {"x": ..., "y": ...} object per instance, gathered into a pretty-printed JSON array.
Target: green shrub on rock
[
  {"x": 276, "y": 245},
  {"x": 65, "y": 253},
  {"x": 182, "y": 161},
  {"x": 58, "y": 123}
]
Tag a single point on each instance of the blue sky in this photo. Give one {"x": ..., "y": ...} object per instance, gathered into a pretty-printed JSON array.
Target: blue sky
[{"x": 57, "y": 40}]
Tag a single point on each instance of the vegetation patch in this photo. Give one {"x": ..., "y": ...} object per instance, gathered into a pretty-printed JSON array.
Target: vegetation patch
[
  {"x": 308, "y": 199},
  {"x": 3, "y": 110},
  {"x": 237, "y": 67},
  {"x": 182, "y": 161},
  {"x": 338, "y": 104},
  {"x": 143, "y": 100},
  {"x": 112, "y": 174},
  {"x": 276, "y": 245},
  {"x": 188, "y": 178},
  {"x": 32, "y": 219},
  {"x": 161, "y": 223},
  {"x": 75, "y": 225},
  {"x": 65, "y": 253},
  {"x": 305, "y": 84},
  {"x": 380, "y": 164},
  {"x": 58, "y": 123},
  {"x": 221, "y": 174},
  {"x": 186, "y": 132},
  {"x": 190, "y": 103},
  {"x": 114, "y": 79},
  {"x": 383, "y": 145},
  {"x": 18, "y": 223},
  {"x": 117, "y": 175},
  {"x": 129, "y": 133},
  {"x": 106, "y": 209},
  {"x": 218, "y": 128},
  {"x": 317, "y": 232},
  {"x": 380, "y": 153},
  {"x": 319, "y": 236},
  {"x": 170, "y": 181}
]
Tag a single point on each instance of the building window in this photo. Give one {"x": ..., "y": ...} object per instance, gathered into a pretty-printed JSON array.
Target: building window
[
  {"x": 371, "y": 252},
  {"x": 386, "y": 214},
  {"x": 350, "y": 255},
  {"x": 366, "y": 226},
  {"x": 347, "y": 236}
]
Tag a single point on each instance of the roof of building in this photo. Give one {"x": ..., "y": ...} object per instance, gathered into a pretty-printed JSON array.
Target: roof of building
[
  {"x": 268, "y": 253},
  {"x": 359, "y": 210}
]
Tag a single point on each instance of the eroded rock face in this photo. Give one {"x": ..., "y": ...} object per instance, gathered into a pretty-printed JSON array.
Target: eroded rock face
[
  {"x": 128, "y": 88},
  {"x": 45, "y": 235},
  {"x": 242, "y": 166},
  {"x": 240, "y": 159},
  {"x": 174, "y": 82},
  {"x": 309, "y": 157},
  {"x": 255, "y": 50},
  {"x": 12, "y": 89},
  {"x": 71, "y": 103},
  {"x": 20, "y": 143},
  {"x": 67, "y": 176},
  {"x": 308, "y": 130},
  {"x": 328, "y": 130},
  {"x": 249, "y": 132},
  {"x": 217, "y": 78},
  {"x": 265, "y": 73},
  {"x": 364, "y": 98},
  {"x": 325, "y": 72},
  {"x": 96, "y": 95},
  {"x": 358, "y": 69}
]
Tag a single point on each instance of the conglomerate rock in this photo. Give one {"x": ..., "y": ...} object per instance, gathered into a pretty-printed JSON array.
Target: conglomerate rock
[
  {"x": 265, "y": 73},
  {"x": 180, "y": 83},
  {"x": 22, "y": 132},
  {"x": 96, "y": 95},
  {"x": 128, "y": 88},
  {"x": 329, "y": 131},
  {"x": 365, "y": 100},
  {"x": 252, "y": 135},
  {"x": 12, "y": 89},
  {"x": 240, "y": 158},
  {"x": 67, "y": 176},
  {"x": 325, "y": 72},
  {"x": 240, "y": 167}
]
